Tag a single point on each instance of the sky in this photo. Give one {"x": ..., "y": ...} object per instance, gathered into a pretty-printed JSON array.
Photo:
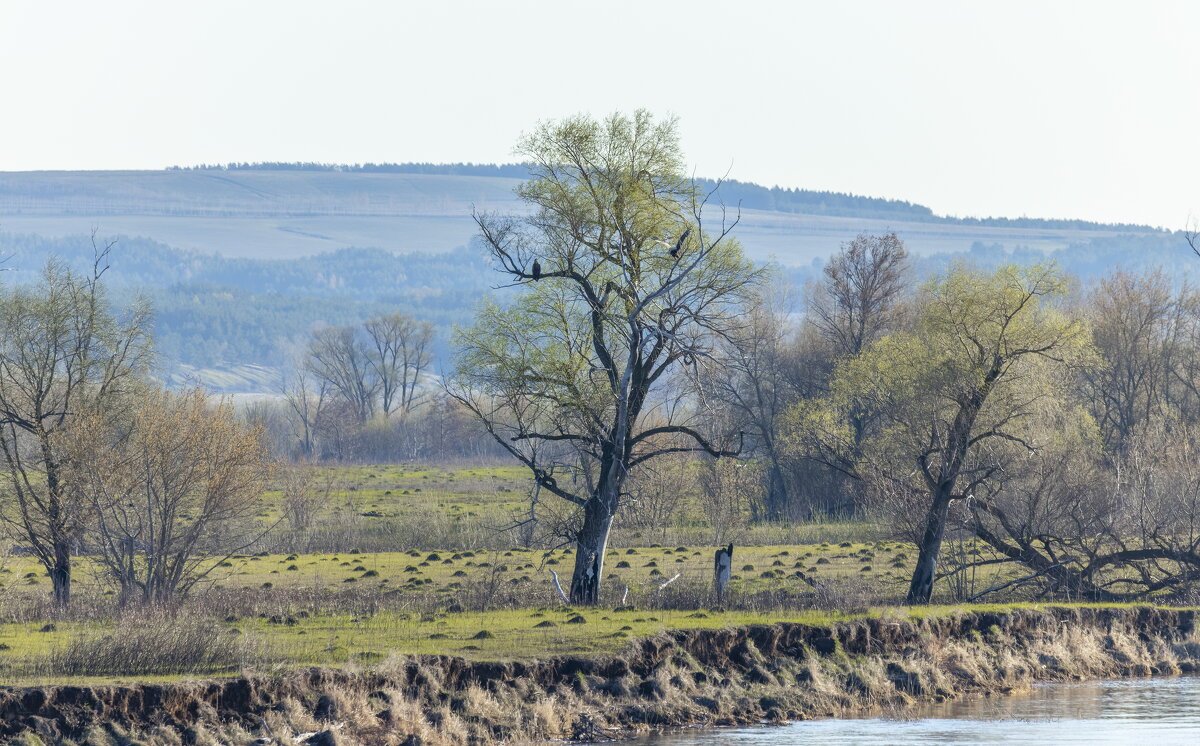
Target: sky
[{"x": 1043, "y": 109}]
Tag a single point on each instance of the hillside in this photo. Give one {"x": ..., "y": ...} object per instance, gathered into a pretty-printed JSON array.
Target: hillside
[
  {"x": 242, "y": 263},
  {"x": 274, "y": 211}
]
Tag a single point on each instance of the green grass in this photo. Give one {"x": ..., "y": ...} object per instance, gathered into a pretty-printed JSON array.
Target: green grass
[
  {"x": 418, "y": 505},
  {"x": 343, "y": 640},
  {"x": 400, "y": 599},
  {"x": 762, "y": 568},
  {"x": 398, "y": 492}
]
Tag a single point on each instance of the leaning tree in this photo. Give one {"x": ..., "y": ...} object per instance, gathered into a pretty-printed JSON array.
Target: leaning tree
[
  {"x": 958, "y": 405},
  {"x": 622, "y": 292}
]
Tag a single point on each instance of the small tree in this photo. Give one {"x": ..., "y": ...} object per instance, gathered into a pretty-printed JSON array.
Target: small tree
[
  {"x": 63, "y": 354},
  {"x": 174, "y": 489},
  {"x": 656, "y": 494},
  {"x": 307, "y": 397},
  {"x": 724, "y": 487},
  {"x": 304, "y": 493},
  {"x": 624, "y": 288}
]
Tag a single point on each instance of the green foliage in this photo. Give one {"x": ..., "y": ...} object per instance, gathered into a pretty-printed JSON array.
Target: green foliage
[
  {"x": 621, "y": 286},
  {"x": 998, "y": 340}
]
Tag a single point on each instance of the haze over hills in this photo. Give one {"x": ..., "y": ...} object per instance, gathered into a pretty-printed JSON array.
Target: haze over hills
[
  {"x": 272, "y": 211},
  {"x": 242, "y": 262}
]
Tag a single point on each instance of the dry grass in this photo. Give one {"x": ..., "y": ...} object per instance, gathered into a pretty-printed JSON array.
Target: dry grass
[
  {"x": 720, "y": 677},
  {"x": 152, "y": 646}
]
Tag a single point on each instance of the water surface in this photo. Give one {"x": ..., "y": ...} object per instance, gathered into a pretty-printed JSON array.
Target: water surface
[{"x": 1144, "y": 712}]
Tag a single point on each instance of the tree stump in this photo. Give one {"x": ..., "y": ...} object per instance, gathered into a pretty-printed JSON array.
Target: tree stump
[{"x": 722, "y": 567}]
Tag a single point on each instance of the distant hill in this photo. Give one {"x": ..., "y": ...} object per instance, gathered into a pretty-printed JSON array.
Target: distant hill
[
  {"x": 241, "y": 262},
  {"x": 290, "y": 210},
  {"x": 748, "y": 195}
]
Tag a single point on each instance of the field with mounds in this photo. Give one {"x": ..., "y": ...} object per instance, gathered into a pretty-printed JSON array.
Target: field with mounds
[
  {"x": 435, "y": 531},
  {"x": 433, "y": 564},
  {"x": 442, "y": 573}
]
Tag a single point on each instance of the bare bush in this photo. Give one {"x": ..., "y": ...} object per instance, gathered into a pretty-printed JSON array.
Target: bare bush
[
  {"x": 156, "y": 645},
  {"x": 657, "y": 493},
  {"x": 725, "y": 489},
  {"x": 305, "y": 491},
  {"x": 173, "y": 490}
]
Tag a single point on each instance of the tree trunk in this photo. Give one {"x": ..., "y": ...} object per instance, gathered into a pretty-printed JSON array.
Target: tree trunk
[
  {"x": 590, "y": 546},
  {"x": 776, "y": 506},
  {"x": 921, "y": 588},
  {"x": 60, "y": 574}
]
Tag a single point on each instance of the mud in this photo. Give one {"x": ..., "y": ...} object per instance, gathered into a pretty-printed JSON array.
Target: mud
[{"x": 684, "y": 677}]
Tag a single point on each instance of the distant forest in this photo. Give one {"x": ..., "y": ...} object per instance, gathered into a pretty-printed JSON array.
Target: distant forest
[
  {"x": 213, "y": 311},
  {"x": 748, "y": 195}
]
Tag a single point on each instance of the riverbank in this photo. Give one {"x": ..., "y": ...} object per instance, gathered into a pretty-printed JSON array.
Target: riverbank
[{"x": 723, "y": 677}]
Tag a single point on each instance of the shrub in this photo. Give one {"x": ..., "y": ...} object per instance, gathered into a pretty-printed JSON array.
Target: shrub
[{"x": 156, "y": 646}]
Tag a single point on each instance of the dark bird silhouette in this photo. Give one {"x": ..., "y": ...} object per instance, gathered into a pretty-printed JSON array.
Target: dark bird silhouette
[
  {"x": 537, "y": 270},
  {"x": 679, "y": 244}
]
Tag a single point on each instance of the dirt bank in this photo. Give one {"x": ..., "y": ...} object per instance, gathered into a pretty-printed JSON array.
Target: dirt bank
[{"x": 718, "y": 677}]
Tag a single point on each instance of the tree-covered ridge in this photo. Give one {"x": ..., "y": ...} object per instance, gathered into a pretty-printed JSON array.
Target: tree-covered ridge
[
  {"x": 213, "y": 310},
  {"x": 365, "y": 273},
  {"x": 502, "y": 170}
]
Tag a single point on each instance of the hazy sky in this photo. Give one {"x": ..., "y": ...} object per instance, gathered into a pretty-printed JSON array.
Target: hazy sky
[{"x": 1049, "y": 109}]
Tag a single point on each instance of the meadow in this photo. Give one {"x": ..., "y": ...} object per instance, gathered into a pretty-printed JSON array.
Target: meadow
[{"x": 453, "y": 580}]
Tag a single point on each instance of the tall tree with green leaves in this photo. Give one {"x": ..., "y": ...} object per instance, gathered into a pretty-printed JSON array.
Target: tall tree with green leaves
[
  {"x": 623, "y": 292},
  {"x": 954, "y": 401}
]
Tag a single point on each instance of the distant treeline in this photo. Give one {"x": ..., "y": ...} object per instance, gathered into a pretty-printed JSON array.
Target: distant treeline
[
  {"x": 732, "y": 192},
  {"x": 213, "y": 310},
  {"x": 808, "y": 202},
  {"x": 504, "y": 170}
]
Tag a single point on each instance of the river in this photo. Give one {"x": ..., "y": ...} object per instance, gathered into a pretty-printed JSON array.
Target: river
[{"x": 1144, "y": 712}]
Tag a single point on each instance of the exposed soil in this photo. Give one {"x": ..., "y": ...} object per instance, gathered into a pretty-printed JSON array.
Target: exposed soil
[{"x": 717, "y": 677}]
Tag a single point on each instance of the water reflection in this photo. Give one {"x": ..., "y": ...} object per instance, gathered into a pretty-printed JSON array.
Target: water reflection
[{"x": 1153, "y": 712}]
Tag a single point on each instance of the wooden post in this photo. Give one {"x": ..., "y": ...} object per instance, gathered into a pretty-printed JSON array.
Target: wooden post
[{"x": 722, "y": 567}]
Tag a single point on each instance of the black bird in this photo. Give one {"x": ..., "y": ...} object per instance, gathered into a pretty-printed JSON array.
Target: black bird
[
  {"x": 537, "y": 270},
  {"x": 679, "y": 244}
]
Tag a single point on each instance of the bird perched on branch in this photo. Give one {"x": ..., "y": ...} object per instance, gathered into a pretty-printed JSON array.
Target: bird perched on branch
[{"x": 537, "y": 270}]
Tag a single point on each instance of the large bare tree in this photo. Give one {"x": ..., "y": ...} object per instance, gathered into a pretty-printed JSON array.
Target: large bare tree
[
  {"x": 623, "y": 288},
  {"x": 64, "y": 354},
  {"x": 858, "y": 300},
  {"x": 340, "y": 357},
  {"x": 753, "y": 381},
  {"x": 1135, "y": 322},
  {"x": 399, "y": 353}
]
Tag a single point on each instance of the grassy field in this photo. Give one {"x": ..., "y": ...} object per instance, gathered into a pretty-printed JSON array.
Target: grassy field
[
  {"x": 32, "y": 654},
  {"x": 391, "y": 491},
  {"x": 429, "y": 532},
  {"x": 449, "y": 582},
  {"x": 798, "y": 568}
]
